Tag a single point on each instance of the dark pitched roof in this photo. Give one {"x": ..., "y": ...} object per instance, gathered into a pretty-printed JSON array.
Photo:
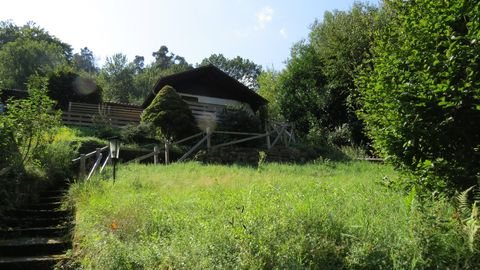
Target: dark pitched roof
[{"x": 208, "y": 81}]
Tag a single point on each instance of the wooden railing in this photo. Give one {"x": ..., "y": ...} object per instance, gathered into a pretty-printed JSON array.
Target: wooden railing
[
  {"x": 279, "y": 132},
  {"x": 84, "y": 114},
  {"x": 82, "y": 160}
]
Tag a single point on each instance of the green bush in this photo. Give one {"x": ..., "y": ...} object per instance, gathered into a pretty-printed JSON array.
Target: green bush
[
  {"x": 142, "y": 133},
  {"x": 27, "y": 129},
  {"x": 238, "y": 118},
  {"x": 56, "y": 160},
  {"x": 170, "y": 115},
  {"x": 66, "y": 86},
  {"x": 421, "y": 98}
]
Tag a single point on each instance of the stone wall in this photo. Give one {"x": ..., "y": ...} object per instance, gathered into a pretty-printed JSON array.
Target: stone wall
[{"x": 250, "y": 156}]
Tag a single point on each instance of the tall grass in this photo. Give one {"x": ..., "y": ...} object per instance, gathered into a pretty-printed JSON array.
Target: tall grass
[{"x": 318, "y": 216}]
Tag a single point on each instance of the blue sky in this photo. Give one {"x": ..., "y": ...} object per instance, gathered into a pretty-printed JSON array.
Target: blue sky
[{"x": 262, "y": 31}]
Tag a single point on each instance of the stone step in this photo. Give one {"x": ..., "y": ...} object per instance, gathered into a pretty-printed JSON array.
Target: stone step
[
  {"x": 50, "y": 199},
  {"x": 44, "y": 206},
  {"x": 37, "y": 213},
  {"x": 10, "y": 233},
  {"x": 54, "y": 192},
  {"x": 33, "y": 262},
  {"x": 25, "y": 222},
  {"x": 37, "y": 246}
]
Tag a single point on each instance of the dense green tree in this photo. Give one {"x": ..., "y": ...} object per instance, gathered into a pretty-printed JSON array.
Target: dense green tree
[
  {"x": 421, "y": 99},
  {"x": 144, "y": 82},
  {"x": 342, "y": 42},
  {"x": 117, "y": 76},
  {"x": 269, "y": 89},
  {"x": 29, "y": 50},
  {"x": 28, "y": 122},
  {"x": 302, "y": 98},
  {"x": 165, "y": 60},
  {"x": 139, "y": 63},
  {"x": 65, "y": 86},
  {"x": 170, "y": 115},
  {"x": 84, "y": 61},
  {"x": 241, "y": 69}
]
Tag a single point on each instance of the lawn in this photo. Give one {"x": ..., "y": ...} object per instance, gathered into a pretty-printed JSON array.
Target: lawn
[{"x": 317, "y": 216}]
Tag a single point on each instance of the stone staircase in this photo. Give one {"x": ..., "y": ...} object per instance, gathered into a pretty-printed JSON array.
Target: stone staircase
[{"x": 37, "y": 235}]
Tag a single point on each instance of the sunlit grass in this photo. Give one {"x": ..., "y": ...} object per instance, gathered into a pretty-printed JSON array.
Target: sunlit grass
[{"x": 192, "y": 216}]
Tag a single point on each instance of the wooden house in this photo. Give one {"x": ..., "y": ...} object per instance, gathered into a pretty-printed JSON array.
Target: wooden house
[{"x": 207, "y": 90}]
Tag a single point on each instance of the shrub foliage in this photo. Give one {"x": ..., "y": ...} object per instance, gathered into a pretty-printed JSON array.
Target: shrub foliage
[
  {"x": 66, "y": 86},
  {"x": 170, "y": 115},
  {"x": 421, "y": 98}
]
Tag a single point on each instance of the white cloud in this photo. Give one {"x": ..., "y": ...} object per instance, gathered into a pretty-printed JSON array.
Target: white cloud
[
  {"x": 283, "y": 33},
  {"x": 264, "y": 17}
]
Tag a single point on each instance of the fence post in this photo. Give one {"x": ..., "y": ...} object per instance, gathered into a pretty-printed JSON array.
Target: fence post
[
  {"x": 98, "y": 153},
  {"x": 155, "y": 154},
  {"x": 167, "y": 152},
  {"x": 269, "y": 144},
  {"x": 209, "y": 143},
  {"x": 293, "y": 133},
  {"x": 83, "y": 167}
]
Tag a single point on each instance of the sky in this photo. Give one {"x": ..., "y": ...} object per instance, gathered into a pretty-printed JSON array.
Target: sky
[{"x": 262, "y": 31}]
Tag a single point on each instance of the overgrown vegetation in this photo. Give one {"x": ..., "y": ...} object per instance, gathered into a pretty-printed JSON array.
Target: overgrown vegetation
[
  {"x": 421, "y": 95},
  {"x": 31, "y": 157},
  {"x": 318, "y": 216}
]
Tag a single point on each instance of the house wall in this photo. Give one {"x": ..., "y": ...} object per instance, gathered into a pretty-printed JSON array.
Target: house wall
[{"x": 207, "y": 109}]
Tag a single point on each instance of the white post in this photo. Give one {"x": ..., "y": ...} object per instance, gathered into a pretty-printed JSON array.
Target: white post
[
  {"x": 167, "y": 152},
  {"x": 209, "y": 143},
  {"x": 269, "y": 144},
  {"x": 82, "y": 171},
  {"x": 98, "y": 154},
  {"x": 155, "y": 154}
]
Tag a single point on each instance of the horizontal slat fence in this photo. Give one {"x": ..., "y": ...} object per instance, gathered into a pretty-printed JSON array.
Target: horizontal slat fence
[{"x": 84, "y": 114}]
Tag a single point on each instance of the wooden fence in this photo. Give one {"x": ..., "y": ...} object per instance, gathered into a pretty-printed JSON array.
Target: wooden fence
[
  {"x": 84, "y": 158},
  {"x": 275, "y": 133},
  {"x": 85, "y": 114}
]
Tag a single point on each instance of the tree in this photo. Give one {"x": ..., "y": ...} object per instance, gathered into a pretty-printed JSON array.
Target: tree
[
  {"x": 165, "y": 60},
  {"x": 342, "y": 42},
  {"x": 302, "y": 96},
  {"x": 117, "y": 77},
  {"x": 243, "y": 70},
  {"x": 139, "y": 63},
  {"x": 421, "y": 97},
  {"x": 29, "y": 50},
  {"x": 85, "y": 61},
  {"x": 269, "y": 89},
  {"x": 28, "y": 122},
  {"x": 170, "y": 115},
  {"x": 65, "y": 86}
]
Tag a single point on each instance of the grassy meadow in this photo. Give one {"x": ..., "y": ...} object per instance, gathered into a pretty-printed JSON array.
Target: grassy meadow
[{"x": 317, "y": 216}]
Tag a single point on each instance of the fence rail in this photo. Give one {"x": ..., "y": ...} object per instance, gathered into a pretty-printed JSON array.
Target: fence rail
[
  {"x": 81, "y": 119},
  {"x": 278, "y": 132},
  {"x": 82, "y": 159},
  {"x": 85, "y": 114}
]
